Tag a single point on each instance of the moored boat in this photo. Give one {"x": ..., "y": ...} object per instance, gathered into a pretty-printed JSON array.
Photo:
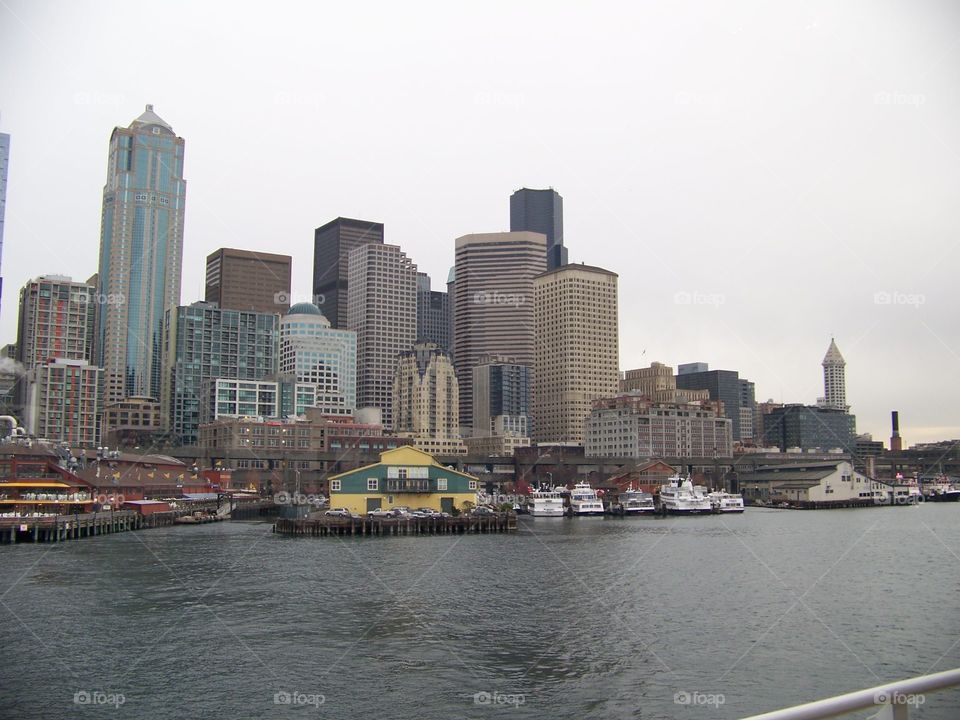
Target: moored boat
[
  {"x": 680, "y": 497},
  {"x": 725, "y": 502},
  {"x": 584, "y": 500},
  {"x": 545, "y": 503}
]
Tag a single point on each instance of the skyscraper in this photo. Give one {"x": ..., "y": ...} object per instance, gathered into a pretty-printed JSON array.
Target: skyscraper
[
  {"x": 56, "y": 320},
  {"x": 577, "y": 351},
  {"x": 501, "y": 397},
  {"x": 313, "y": 352},
  {"x": 246, "y": 280},
  {"x": 426, "y": 400},
  {"x": 834, "y": 379},
  {"x": 332, "y": 244},
  {"x": 141, "y": 250},
  {"x": 493, "y": 303},
  {"x": 203, "y": 343},
  {"x": 433, "y": 314},
  {"x": 724, "y": 385},
  {"x": 541, "y": 211},
  {"x": 4, "y": 166},
  {"x": 382, "y": 311}
]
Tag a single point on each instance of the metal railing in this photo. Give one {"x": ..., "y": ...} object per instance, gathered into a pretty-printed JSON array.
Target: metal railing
[{"x": 892, "y": 700}]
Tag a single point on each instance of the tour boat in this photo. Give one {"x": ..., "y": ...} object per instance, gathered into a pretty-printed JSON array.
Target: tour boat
[
  {"x": 941, "y": 490},
  {"x": 584, "y": 500},
  {"x": 724, "y": 502},
  {"x": 679, "y": 497},
  {"x": 635, "y": 502},
  {"x": 545, "y": 503}
]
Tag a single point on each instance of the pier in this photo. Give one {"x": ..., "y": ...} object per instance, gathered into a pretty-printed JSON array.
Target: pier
[
  {"x": 328, "y": 526},
  {"x": 60, "y": 528}
]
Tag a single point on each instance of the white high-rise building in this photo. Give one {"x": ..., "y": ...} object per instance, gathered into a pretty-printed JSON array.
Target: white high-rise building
[
  {"x": 313, "y": 352},
  {"x": 426, "y": 400},
  {"x": 141, "y": 250},
  {"x": 382, "y": 311},
  {"x": 834, "y": 379}
]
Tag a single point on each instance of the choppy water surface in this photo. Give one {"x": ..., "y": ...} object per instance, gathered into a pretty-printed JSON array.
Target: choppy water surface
[{"x": 714, "y": 617}]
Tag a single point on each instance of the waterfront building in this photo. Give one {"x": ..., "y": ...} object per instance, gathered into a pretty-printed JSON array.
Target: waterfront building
[
  {"x": 540, "y": 211},
  {"x": 426, "y": 400},
  {"x": 809, "y": 428},
  {"x": 203, "y": 342},
  {"x": 577, "y": 354},
  {"x": 332, "y": 245},
  {"x": 834, "y": 380},
  {"x": 34, "y": 479},
  {"x": 501, "y": 397},
  {"x": 723, "y": 385},
  {"x": 493, "y": 303},
  {"x": 229, "y": 397},
  {"x": 311, "y": 351},
  {"x": 250, "y": 281},
  {"x": 634, "y": 426},
  {"x": 132, "y": 422},
  {"x": 433, "y": 315},
  {"x": 63, "y": 402},
  {"x": 4, "y": 170},
  {"x": 404, "y": 477},
  {"x": 808, "y": 481},
  {"x": 382, "y": 311},
  {"x": 141, "y": 250}
]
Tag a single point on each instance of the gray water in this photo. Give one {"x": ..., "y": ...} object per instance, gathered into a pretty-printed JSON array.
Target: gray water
[{"x": 713, "y": 617}]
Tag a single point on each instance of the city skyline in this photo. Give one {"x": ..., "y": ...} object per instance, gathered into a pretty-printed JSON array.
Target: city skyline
[{"x": 740, "y": 232}]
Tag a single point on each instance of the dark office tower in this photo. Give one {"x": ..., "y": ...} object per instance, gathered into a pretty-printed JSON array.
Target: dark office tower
[
  {"x": 248, "y": 281},
  {"x": 433, "y": 315},
  {"x": 541, "y": 211},
  {"x": 332, "y": 244},
  {"x": 723, "y": 385},
  {"x": 748, "y": 408}
]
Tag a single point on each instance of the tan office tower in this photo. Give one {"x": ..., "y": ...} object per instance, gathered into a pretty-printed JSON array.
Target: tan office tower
[
  {"x": 577, "y": 353},
  {"x": 248, "y": 281},
  {"x": 382, "y": 311},
  {"x": 426, "y": 403},
  {"x": 493, "y": 303}
]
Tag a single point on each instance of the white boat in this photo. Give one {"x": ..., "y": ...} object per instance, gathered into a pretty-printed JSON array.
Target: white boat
[
  {"x": 635, "y": 502},
  {"x": 545, "y": 503},
  {"x": 725, "y": 502},
  {"x": 680, "y": 497},
  {"x": 584, "y": 500}
]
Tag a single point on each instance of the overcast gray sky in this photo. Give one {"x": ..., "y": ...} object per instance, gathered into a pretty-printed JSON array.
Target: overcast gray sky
[{"x": 761, "y": 175}]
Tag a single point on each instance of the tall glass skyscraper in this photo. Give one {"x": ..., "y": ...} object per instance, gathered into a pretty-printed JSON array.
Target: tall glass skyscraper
[
  {"x": 141, "y": 250},
  {"x": 540, "y": 211}
]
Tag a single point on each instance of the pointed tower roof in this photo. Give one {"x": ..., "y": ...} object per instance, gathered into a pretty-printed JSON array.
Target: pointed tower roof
[
  {"x": 149, "y": 117},
  {"x": 833, "y": 356}
]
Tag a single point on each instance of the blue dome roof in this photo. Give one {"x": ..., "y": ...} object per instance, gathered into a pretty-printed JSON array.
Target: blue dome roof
[{"x": 304, "y": 308}]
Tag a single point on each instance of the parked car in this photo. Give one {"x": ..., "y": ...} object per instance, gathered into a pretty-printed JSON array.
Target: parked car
[
  {"x": 339, "y": 512},
  {"x": 430, "y": 513},
  {"x": 483, "y": 510},
  {"x": 402, "y": 511},
  {"x": 381, "y": 512}
]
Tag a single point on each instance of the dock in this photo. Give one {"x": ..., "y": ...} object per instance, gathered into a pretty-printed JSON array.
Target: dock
[{"x": 328, "y": 526}]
